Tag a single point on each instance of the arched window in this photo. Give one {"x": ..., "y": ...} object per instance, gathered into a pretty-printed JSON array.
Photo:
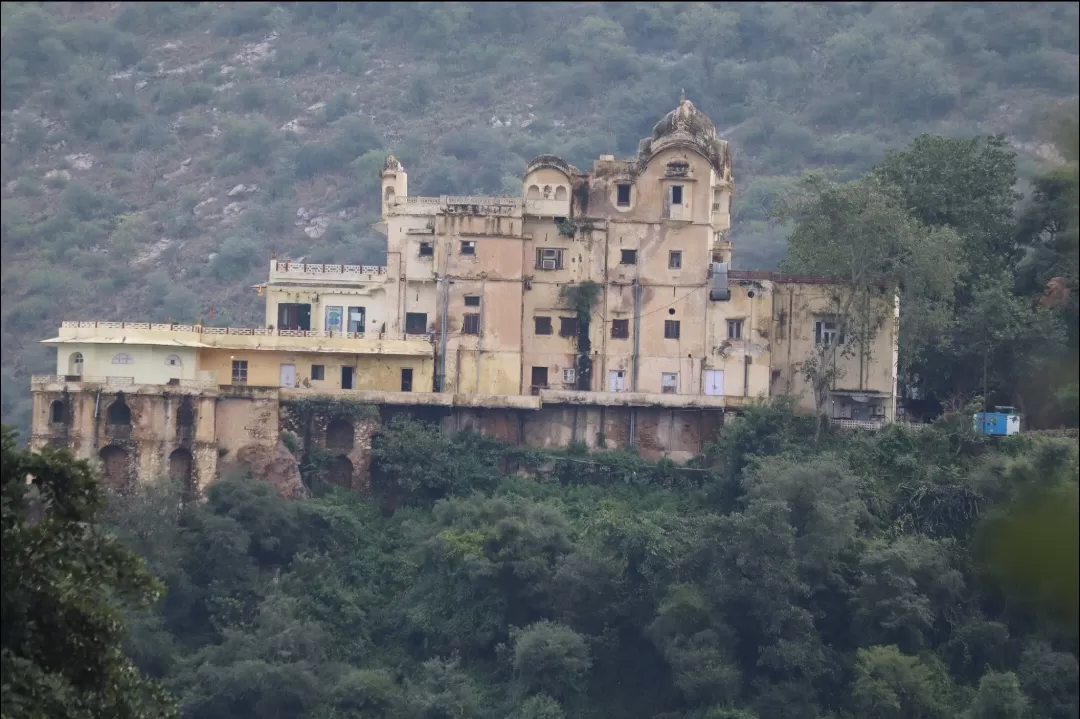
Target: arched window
[
  {"x": 115, "y": 460},
  {"x": 339, "y": 471},
  {"x": 57, "y": 412},
  {"x": 118, "y": 413},
  {"x": 123, "y": 358},
  {"x": 340, "y": 436},
  {"x": 181, "y": 464},
  {"x": 173, "y": 361},
  {"x": 560, "y": 192},
  {"x": 75, "y": 364},
  {"x": 533, "y": 193},
  {"x": 389, "y": 195}
]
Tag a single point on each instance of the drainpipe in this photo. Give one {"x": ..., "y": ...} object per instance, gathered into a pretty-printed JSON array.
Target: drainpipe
[
  {"x": 97, "y": 405},
  {"x": 748, "y": 341},
  {"x": 443, "y": 323},
  {"x": 637, "y": 348},
  {"x": 480, "y": 338}
]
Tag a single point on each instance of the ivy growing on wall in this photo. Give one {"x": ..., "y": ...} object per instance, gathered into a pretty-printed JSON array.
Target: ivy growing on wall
[{"x": 581, "y": 297}]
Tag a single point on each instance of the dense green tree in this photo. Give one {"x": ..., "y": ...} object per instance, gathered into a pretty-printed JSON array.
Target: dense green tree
[{"x": 63, "y": 579}]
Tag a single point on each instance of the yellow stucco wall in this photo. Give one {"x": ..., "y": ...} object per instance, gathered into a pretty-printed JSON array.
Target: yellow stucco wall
[
  {"x": 148, "y": 364},
  {"x": 370, "y": 372}
]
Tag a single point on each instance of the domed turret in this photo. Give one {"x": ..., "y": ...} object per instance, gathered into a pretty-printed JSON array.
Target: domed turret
[
  {"x": 687, "y": 126},
  {"x": 395, "y": 183}
]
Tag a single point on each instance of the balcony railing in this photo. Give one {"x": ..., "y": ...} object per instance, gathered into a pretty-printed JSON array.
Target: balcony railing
[
  {"x": 323, "y": 270},
  {"x": 89, "y": 379},
  {"x": 238, "y": 331}
]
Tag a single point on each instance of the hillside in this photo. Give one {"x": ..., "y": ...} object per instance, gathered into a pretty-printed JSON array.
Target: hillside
[{"x": 154, "y": 155}]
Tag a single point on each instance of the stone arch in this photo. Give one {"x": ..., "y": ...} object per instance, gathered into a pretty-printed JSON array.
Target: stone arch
[
  {"x": 114, "y": 462},
  {"x": 185, "y": 419},
  {"x": 339, "y": 471},
  {"x": 560, "y": 192},
  {"x": 340, "y": 435},
  {"x": 174, "y": 361},
  {"x": 118, "y": 412},
  {"x": 533, "y": 193},
  {"x": 181, "y": 466},
  {"x": 75, "y": 363},
  {"x": 546, "y": 192},
  {"x": 389, "y": 195},
  {"x": 57, "y": 412}
]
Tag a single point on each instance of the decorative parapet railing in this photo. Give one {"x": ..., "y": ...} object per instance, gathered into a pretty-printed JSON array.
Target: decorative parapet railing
[
  {"x": 240, "y": 331},
  {"x": 872, "y": 424},
  {"x": 311, "y": 270},
  {"x": 55, "y": 378}
]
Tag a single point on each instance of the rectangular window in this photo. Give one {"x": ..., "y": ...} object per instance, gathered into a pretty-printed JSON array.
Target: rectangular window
[
  {"x": 542, "y": 325},
  {"x": 620, "y": 329},
  {"x": 406, "y": 379},
  {"x": 357, "y": 319},
  {"x": 427, "y": 249},
  {"x": 539, "y": 377},
  {"x": 568, "y": 326},
  {"x": 472, "y": 300},
  {"x": 629, "y": 257},
  {"x": 676, "y": 194},
  {"x": 468, "y": 247},
  {"x": 333, "y": 319},
  {"x": 569, "y": 375},
  {"x": 470, "y": 324},
  {"x": 669, "y": 383},
  {"x": 622, "y": 198},
  {"x": 734, "y": 329},
  {"x": 318, "y": 372},
  {"x": 346, "y": 377},
  {"x": 671, "y": 329},
  {"x": 826, "y": 333},
  {"x": 239, "y": 371},
  {"x": 674, "y": 260},
  {"x": 416, "y": 323},
  {"x": 549, "y": 258},
  {"x": 294, "y": 316}
]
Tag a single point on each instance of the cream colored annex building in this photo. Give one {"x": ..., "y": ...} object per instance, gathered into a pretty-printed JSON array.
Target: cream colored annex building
[{"x": 482, "y": 276}]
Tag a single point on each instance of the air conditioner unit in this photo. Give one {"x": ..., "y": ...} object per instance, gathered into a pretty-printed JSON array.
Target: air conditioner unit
[
  {"x": 548, "y": 264},
  {"x": 569, "y": 375}
]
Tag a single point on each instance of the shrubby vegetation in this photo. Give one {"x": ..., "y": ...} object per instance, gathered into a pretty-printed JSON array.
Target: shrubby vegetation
[
  {"x": 177, "y": 103},
  {"x": 778, "y": 576}
]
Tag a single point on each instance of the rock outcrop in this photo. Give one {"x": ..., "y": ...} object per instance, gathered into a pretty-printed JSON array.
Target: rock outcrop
[{"x": 275, "y": 465}]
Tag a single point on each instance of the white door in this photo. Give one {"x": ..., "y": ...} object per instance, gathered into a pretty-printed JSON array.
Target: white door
[
  {"x": 288, "y": 375},
  {"x": 616, "y": 380},
  {"x": 714, "y": 382}
]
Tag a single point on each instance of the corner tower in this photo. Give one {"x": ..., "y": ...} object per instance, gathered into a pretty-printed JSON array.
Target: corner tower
[{"x": 394, "y": 183}]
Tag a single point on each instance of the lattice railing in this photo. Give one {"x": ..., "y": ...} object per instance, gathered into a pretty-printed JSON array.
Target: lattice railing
[
  {"x": 237, "y": 331},
  {"x": 316, "y": 270}
]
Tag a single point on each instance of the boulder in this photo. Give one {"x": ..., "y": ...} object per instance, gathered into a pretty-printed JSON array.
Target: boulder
[{"x": 275, "y": 465}]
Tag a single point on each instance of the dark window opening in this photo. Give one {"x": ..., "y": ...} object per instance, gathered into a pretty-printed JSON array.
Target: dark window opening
[
  {"x": 549, "y": 258},
  {"x": 416, "y": 323},
  {"x": 118, "y": 413},
  {"x": 671, "y": 329},
  {"x": 406, "y": 379},
  {"x": 568, "y": 326},
  {"x": 676, "y": 194},
  {"x": 620, "y": 329},
  {"x": 675, "y": 260},
  {"x": 340, "y": 436},
  {"x": 623, "y": 195},
  {"x": 543, "y": 325},
  {"x": 239, "y": 371},
  {"x": 185, "y": 420},
  {"x": 540, "y": 377},
  {"x": 357, "y": 319},
  {"x": 347, "y": 377},
  {"x": 57, "y": 412},
  {"x": 471, "y": 324},
  {"x": 294, "y": 316},
  {"x": 468, "y": 247},
  {"x": 472, "y": 300},
  {"x": 427, "y": 249},
  {"x": 318, "y": 372},
  {"x": 734, "y": 329},
  {"x": 629, "y": 257}
]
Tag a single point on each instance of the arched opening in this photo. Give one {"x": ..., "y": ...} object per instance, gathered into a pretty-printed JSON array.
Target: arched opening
[
  {"x": 123, "y": 358},
  {"x": 339, "y": 471},
  {"x": 340, "y": 436},
  {"x": 546, "y": 192},
  {"x": 185, "y": 419},
  {"x": 75, "y": 363},
  {"x": 181, "y": 464},
  {"x": 533, "y": 193},
  {"x": 114, "y": 460},
  {"x": 560, "y": 192},
  {"x": 57, "y": 412},
  {"x": 389, "y": 195},
  {"x": 118, "y": 414}
]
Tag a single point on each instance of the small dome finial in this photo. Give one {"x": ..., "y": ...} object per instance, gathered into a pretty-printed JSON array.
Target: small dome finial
[{"x": 682, "y": 96}]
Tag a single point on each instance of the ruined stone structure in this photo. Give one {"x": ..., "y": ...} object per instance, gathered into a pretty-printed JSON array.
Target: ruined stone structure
[{"x": 599, "y": 307}]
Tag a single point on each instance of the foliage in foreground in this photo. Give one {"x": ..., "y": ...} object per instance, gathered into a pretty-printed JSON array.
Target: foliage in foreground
[
  {"x": 62, "y": 648},
  {"x": 774, "y": 580}
]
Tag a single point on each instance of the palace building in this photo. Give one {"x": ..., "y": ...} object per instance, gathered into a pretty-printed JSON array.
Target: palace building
[{"x": 599, "y": 306}]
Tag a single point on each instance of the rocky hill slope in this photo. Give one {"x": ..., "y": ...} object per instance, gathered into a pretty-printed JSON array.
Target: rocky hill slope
[{"x": 155, "y": 154}]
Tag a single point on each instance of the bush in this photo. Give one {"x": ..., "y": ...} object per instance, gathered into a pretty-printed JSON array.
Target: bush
[
  {"x": 235, "y": 257},
  {"x": 242, "y": 19}
]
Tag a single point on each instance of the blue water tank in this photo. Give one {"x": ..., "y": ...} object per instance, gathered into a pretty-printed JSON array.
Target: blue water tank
[{"x": 1002, "y": 422}]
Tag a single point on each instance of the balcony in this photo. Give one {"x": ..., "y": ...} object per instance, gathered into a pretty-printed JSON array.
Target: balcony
[{"x": 285, "y": 271}]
